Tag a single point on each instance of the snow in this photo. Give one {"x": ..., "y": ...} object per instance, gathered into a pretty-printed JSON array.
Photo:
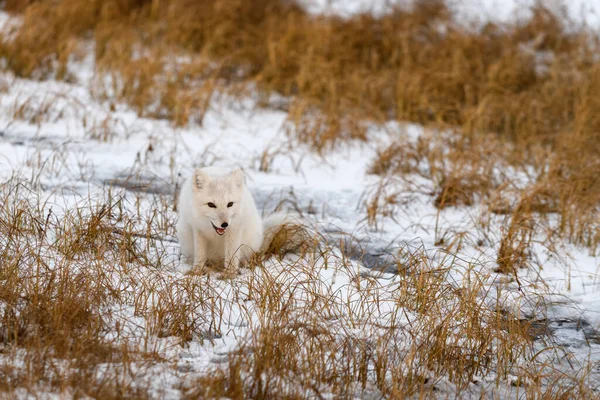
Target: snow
[
  {"x": 70, "y": 163},
  {"x": 585, "y": 12}
]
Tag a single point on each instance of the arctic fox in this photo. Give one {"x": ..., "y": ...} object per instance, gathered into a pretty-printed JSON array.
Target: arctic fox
[{"x": 219, "y": 221}]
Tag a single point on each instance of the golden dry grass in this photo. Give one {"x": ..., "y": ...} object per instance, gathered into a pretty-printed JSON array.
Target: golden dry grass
[
  {"x": 66, "y": 273},
  {"x": 56, "y": 292},
  {"x": 521, "y": 97}
]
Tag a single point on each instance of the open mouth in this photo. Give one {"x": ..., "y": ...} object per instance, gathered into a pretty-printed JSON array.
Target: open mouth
[{"x": 220, "y": 231}]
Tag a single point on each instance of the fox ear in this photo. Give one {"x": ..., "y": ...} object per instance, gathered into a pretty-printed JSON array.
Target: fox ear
[
  {"x": 200, "y": 179},
  {"x": 238, "y": 177}
]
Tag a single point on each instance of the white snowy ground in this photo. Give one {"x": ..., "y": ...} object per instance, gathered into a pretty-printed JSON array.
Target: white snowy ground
[
  {"x": 71, "y": 161},
  {"x": 586, "y": 12}
]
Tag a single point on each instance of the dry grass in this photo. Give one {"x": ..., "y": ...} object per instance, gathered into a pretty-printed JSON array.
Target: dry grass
[
  {"x": 520, "y": 98},
  {"x": 67, "y": 274},
  {"x": 314, "y": 345},
  {"x": 56, "y": 294}
]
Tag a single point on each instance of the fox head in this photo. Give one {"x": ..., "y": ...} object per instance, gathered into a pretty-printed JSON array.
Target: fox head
[{"x": 217, "y": 198}]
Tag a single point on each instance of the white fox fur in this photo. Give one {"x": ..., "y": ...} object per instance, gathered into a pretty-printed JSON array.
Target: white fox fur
[{"x": 219, "y": 221}]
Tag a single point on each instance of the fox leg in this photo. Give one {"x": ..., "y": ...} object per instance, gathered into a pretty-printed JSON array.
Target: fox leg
[
  {"x": 185, "y": 234},
  {"x": 232, "y": 252},
  {"x": 199, "y": 251}
]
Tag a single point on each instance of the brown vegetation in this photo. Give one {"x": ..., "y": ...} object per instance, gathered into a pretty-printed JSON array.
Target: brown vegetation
[{"x": 521, "y": 98}]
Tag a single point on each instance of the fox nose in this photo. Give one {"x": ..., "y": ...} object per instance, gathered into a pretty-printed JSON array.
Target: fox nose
[{"x": 224, "y": 225}]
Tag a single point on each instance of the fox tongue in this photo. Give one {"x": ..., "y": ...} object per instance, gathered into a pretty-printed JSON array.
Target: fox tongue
[{"x": 220, "y": 231}]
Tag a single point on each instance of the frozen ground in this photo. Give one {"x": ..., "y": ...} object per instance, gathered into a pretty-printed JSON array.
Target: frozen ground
[{"x": 81, "y": 148}]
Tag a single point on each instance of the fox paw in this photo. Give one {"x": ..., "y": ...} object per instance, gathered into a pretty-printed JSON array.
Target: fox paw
[
  {"x": 198, "y": 269},
  {"x": 228, "y": 275}
]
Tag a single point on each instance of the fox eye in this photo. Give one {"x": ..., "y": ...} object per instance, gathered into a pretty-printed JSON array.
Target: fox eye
[
  {"x": 212, "y": 205},
  {"x": 230, "y": 204}
]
